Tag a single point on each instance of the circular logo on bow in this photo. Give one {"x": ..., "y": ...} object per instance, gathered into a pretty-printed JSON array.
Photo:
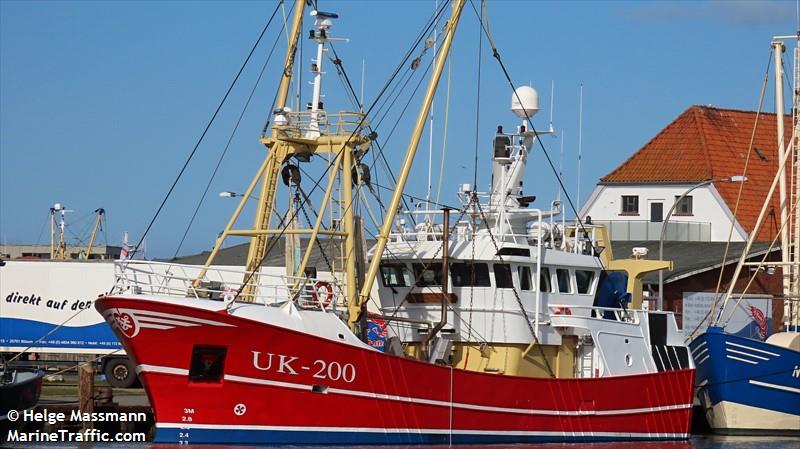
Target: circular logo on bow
[{"x": 126, "y": 323}]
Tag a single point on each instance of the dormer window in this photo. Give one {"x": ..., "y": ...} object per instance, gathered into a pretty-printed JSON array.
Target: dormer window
[{"x": 630, "y": 205}]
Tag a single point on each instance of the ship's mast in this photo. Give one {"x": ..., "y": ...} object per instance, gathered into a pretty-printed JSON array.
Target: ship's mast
[
  {"x": 778, "y": 48},
  {"x": 97, "y": 224},
  {"x": 790, "y": 236},
  {"x": 58, "y": 251},
  {"x": 791, "y": 306},
  {"x": 296, "y": 136},
  {"x": 391, "y": 210}
]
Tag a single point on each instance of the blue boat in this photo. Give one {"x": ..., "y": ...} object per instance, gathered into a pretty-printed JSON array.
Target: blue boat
[{"x": 748, "y": 386}]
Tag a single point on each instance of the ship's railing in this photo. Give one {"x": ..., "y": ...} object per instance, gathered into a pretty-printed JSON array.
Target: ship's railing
[
  {"x": 302, "y": 124},
  {"x": 427, "y": 230},
  {"x": 222, "y": 284}
]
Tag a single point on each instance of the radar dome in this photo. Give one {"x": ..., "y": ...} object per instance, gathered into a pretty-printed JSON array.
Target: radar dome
[{"x": 525, "y": 99}]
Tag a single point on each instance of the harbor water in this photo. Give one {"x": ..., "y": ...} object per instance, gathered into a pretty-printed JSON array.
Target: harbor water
[{"x": 696, "y": 442}]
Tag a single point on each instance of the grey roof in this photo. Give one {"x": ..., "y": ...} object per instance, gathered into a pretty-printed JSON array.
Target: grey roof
[
  {"x": 688, "y": 258},
  {"x": 237, "y": 255}
]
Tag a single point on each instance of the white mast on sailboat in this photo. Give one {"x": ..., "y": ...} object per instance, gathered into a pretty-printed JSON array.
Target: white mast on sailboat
[{"x": 790, "y": 256}]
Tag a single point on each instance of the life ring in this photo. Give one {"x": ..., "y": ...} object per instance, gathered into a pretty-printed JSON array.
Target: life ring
[
  {"x": 326, "y": 289},
  {"x": 562, "y": 311}
]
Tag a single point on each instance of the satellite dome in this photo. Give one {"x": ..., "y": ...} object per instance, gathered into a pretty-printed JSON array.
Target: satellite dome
[{"x": 525, "y": 99}]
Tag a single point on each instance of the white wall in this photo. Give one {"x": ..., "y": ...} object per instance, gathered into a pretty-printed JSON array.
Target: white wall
[{"x": 605, "y": 204}]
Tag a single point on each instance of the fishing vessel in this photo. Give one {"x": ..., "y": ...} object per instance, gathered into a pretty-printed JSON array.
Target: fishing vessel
[
  {"x": 747, "y": 385},
  {"x": 501, "y": 324}
]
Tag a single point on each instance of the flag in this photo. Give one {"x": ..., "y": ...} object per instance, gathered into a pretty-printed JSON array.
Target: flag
[{"x": 123, "y": 253}]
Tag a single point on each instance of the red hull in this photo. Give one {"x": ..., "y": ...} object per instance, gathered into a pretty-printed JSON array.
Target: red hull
[{"x": 284, "y": 386}]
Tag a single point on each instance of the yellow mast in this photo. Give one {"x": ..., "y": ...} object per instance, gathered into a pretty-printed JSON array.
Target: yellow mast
[
  {"x": 258, "y": 242},
  {"x": 300, "y": 134},
  {"x": 100, "y": 212},
  {"x": 356, "y": 306}
]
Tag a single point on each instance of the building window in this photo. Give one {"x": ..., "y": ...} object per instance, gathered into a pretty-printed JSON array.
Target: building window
[
  {"x": 683, "y": 206},
  {"x": 502, "y": 276},
  {"x": 464, "y": 274},
  {"x": 630, "y": 204}
]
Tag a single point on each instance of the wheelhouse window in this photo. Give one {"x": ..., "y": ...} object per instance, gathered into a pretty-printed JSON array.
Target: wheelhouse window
[
  {"x": 524, "y": 273},
  {"x": 564, "y": 284},
  {"x": 683, "y": 206},
  {"x": 502, "y": 276},
  {"x": 630, "y": 204},
  {"x": 428, "y": 275},
  {"x": 544, "y": 281},
  {"x": 395, "y": 275},
  {"x": 583, "y": 279},
  {"x": 468, "y": 274}
]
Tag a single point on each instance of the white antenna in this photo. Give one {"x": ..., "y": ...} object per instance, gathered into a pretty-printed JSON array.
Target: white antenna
[
  {"x": 552, "y": 97},
  {"x": 363, "y": 73},
  {"x": 561, "y": 165},
  {"x": 430, "y": 129},
  {"x": 580, "y": 149}
]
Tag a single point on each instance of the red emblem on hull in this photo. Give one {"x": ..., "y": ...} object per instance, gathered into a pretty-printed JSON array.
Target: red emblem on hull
[{"x": 126, "y": 323}]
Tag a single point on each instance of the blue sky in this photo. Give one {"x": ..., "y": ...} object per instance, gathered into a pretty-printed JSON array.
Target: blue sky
[{"x": 100, "y": 102}]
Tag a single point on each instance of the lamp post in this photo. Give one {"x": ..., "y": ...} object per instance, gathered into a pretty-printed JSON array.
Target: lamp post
[
  {"x": 660, "y": 299},
  {"x": 229, "y": 194}
]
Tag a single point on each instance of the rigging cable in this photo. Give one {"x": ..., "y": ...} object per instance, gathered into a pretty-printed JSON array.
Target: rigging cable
[
  {"x": 484, "y": 23},
  {"x": 205, "y": 131},
  {"x": 478, "y": 105},
  {"x": 360, "y": 125},
  {"x": 755, "y": 273},
  {"x": 514, "y": 289},
  {"x": 444, "y": 127},
  {"x": 227, "y": 145},
  {"x": 713, "y": 308}
]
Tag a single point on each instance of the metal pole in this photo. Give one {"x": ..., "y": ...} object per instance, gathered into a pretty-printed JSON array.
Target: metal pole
[
  {"x": 778, "y": 47},
  {"x": 391, "y": 210},
  {"x": 445, "y": 279},
  {"x": 660, "y": 299}
]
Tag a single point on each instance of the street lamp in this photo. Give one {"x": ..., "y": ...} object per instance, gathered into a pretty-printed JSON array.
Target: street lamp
[
  {"x": 660, "y": 300},
  {"x": 229, "y": 194}
]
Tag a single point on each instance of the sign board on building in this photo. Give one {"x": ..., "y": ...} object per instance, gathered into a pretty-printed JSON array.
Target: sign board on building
[
  {"x": 49, "y": 306},
  {"x": 750, "y": 318}
]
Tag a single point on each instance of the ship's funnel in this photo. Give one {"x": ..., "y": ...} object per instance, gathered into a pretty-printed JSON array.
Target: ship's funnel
[{"x": 525, "y": 102}]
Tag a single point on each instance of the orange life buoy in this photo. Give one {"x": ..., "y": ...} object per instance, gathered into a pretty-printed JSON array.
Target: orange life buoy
[
  {"x": 562, "y": 311},
  {"x": 324, "y": 288}
]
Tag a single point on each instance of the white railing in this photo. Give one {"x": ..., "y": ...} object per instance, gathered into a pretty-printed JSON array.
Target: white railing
[
  {"x": 222, "y": 284},
  {"x": 299, "y": 124},
  {"x": 678, "y": 231}
]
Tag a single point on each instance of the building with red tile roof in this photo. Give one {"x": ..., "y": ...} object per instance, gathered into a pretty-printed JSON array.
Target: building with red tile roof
[{"x": 704, "y": 143}]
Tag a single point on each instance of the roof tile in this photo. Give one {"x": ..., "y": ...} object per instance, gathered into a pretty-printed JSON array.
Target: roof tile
[{"x": 705, "y": 142}]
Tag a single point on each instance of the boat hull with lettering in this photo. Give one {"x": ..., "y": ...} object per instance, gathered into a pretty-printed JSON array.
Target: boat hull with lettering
[{"x": 226, "y": 375}]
